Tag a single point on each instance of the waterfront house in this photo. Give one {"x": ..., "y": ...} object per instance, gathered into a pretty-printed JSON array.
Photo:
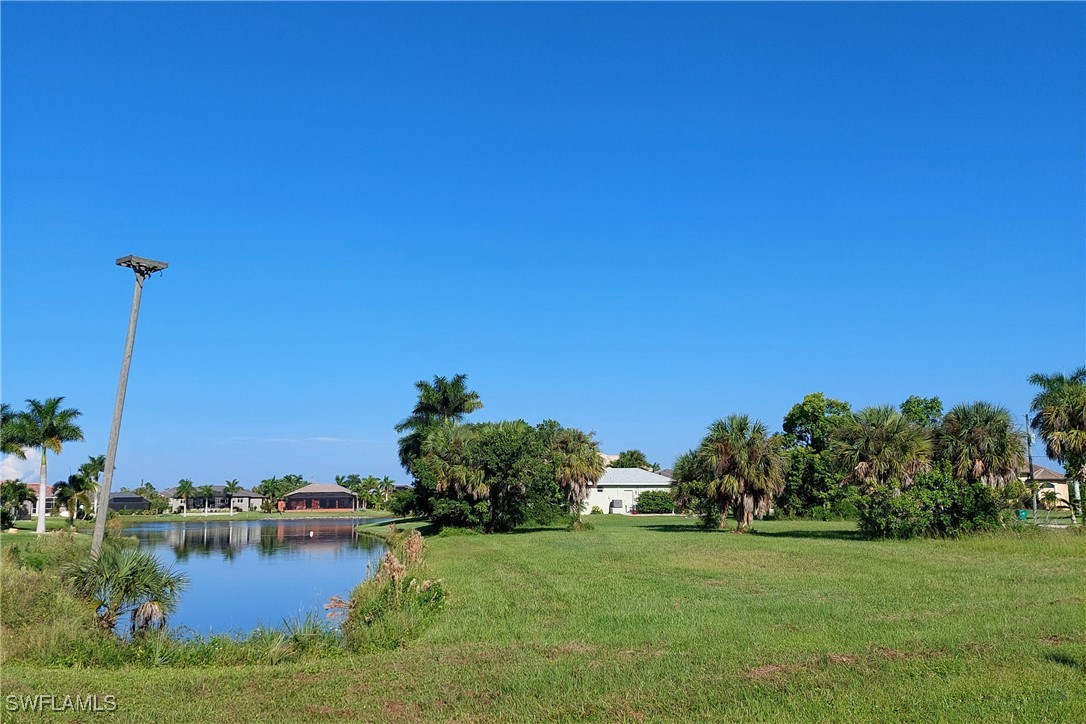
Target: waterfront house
[{"x": 321, "y": 496}]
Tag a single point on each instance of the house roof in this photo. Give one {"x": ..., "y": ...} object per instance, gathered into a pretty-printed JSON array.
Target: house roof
[
  {"x": 1040, "y": 472},
  {"x": 634, "y": 477},
  {"x": 218, "y": 490},
  {"x": 320, "y": 489}
]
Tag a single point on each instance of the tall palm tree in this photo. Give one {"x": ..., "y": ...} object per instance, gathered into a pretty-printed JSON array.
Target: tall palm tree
[
  {"x": 185, "y": 490},
  {"x": 231, "y": 487},
  {"x": 877, "y": 445},
  {"x": 981, "y": 443},
  {"x": 46, "y": 426},
  {"x": 385, "y": 488},
  {"x": 747, "y": 465},
  {"x": 578, "y": 465},
  {"x": 92, "y": 472},
  {"x": 10, "y": 441},
  {"x": 206, "y": 492},
  {"x": 76, "y": 491},
  {"x": 1059, "y": 416},
  {"x": 442, "y": 401}
]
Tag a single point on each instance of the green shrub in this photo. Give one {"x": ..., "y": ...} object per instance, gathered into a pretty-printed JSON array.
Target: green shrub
[
  {"x": 393, "y": 607},
  {"x": 655, "y": 501},
  {"x": 401, "y": 502},
  {"x": 936, "y": 504},
  {"x": 596, "y": 510}
]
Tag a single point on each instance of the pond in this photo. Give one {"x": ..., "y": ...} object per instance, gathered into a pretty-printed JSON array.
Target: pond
[{"x": 244, "y": 574}]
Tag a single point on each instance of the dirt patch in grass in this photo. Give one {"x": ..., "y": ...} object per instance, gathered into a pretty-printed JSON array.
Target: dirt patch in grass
[
  {"x": 775, "y": 672},
  {"x": 397, "y": 710},
  {"x": 842, "y": 659}
]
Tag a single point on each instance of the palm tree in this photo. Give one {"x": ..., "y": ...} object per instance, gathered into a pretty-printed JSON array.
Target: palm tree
[
  {"x": 981, "y": 443},
  {"x": 231, "y": 487},
  {"x": 446, "y": 450},
  {"x": 127, "y": 581},
  {"x": 185, "y": 490},
  {"x": 442, "y": 401},
  {"x": 74, "y": 492},
  {"x": 92, "y": 471},
  {"x": 690, "y": 476},
  {"x": 385, "y": 488},
  {"x": 877, "y": 445},
  {"x": 747, "y": 465},
  {"x": 205, "y": 492},
  {"x": 10, "y": 440},
  {"x": 1059, "y": 415},
  {"x": 578, "y": 465},
  {"x": 45, "y": 426}
]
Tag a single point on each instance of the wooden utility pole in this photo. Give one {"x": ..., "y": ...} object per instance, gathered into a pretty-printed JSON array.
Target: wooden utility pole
[{"x": 143, "y": 269}]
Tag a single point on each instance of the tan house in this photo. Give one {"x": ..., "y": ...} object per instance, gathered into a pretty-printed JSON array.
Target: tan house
[{"x": 1047, "y": 479}]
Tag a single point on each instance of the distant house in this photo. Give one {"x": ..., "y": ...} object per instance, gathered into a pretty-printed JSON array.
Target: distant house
[
  {"x": 617, "y": 490},
  {"x": 128, "y": 501},
  {"x": 32, "y": 508},
  {"x": 243, "y": 499},
  {"x": 321, "y": 496},
  {"x": 1047, "y": 479}
]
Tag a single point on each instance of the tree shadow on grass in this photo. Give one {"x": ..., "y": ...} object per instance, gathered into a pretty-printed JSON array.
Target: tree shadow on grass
[
  {"x": 1060, "y": 657},
  {"x": 815, "y": 534}
]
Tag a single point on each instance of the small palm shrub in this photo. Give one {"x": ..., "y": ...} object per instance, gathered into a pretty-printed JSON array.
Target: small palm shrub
[
  {"x": 127, "y": 582},
  {"x": 596, "y": 510}
]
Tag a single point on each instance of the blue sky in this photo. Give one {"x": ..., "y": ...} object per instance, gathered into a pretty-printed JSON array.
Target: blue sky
[{"x": 633, "y": 219}]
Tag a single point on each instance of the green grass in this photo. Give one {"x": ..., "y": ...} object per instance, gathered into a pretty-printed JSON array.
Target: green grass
[{"x": 653, "y": 619}]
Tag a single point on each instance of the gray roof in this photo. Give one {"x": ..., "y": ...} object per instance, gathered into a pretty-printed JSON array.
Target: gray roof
[
  {"x": 320, "y": 488},
  {"x": 634, "y": 477}
]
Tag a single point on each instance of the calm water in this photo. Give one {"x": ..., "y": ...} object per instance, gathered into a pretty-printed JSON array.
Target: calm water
[{"x": 246, "y": 573}]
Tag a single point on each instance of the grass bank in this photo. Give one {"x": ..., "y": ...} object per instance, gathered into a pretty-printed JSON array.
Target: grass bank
[{"x": 653, "y": 619}]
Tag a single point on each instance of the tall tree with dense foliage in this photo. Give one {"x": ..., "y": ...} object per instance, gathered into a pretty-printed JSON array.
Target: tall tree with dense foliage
[
  {"x": 1059, "y": 417},
  {"x": 923, "y": 411},
  {"x": 877, "y": 445},
  {"x": 578, "y": 465},
  {"x": 747, "y": 465},
  {"x": 981, "y": 443},
  {"x": 46, "y": 426},
  {"x": 442, "y": 401},
  {"x": 13, "y": 493},
  {"x": 813, "y": 482},
  {"x": 631, "y": 459}
]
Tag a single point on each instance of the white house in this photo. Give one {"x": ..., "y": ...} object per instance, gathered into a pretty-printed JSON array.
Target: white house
[{"x": 617, "y": 490}]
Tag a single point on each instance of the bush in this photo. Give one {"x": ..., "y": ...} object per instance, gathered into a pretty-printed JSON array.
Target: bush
[
  {"x": 936, "y": 504},
  {"x": 393, "y": 607},
  {"x": 655, "y": 501},
  {"x": 596, "y": 510},
  {"x": 401, "y": 502}
]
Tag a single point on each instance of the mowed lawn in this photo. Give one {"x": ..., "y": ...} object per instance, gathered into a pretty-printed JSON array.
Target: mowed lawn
[{"x": 653, "y": 619}]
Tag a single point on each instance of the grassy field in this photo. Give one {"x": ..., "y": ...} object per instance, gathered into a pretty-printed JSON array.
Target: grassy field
[{"x": 652, "y": 619}]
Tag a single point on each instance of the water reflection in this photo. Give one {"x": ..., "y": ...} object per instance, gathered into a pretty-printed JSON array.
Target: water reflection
[{"x": 246, "y": 573}]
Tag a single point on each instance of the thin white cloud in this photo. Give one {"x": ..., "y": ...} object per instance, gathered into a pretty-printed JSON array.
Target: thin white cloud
[{"x": 12, "y": 468}]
